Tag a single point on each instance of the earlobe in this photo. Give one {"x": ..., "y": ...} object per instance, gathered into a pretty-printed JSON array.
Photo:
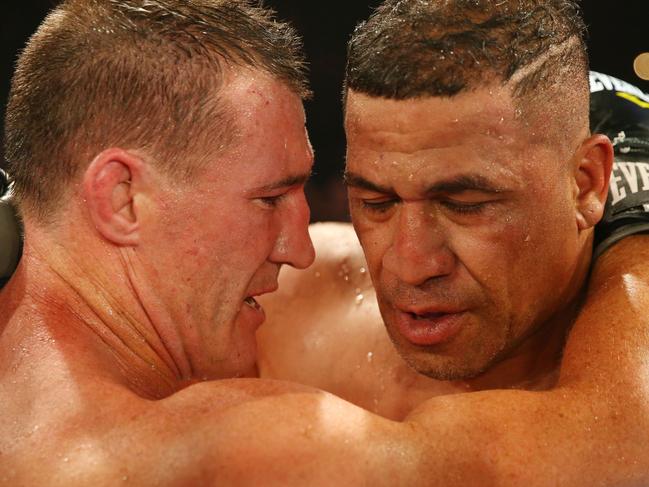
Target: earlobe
[
  {"x": 110, "y": 188},
  {"x": 592, "y": 174}
]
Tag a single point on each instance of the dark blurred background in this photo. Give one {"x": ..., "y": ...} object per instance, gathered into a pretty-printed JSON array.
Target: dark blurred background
[{"x": 618, "y": 32}]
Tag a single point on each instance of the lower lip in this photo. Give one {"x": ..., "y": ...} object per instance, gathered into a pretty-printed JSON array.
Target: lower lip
[
  {"x": 429, "y": 331},
  {"x": 254, "y": 316}
]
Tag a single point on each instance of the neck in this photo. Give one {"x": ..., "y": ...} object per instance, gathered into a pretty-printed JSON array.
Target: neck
[{"x": 95, "y": 313}]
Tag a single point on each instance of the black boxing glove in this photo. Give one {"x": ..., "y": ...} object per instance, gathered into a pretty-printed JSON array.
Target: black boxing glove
[
  {"x": 10, "y": 233},
  {"x": 621, "y": 111}
]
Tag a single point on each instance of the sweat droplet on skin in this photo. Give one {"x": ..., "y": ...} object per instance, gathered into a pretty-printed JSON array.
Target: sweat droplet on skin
[
  {"x": 359, "y": 296},
  {"x": 282, "y": 244},
  {"x": 344, "y": 272}
]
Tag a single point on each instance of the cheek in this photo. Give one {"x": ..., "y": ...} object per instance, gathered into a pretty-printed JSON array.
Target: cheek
[
  {"x": 520, "y": 264},
  {"x": 251, "y": 240},
  {"x": 375, "y": 239},
  {"x": 494, "y": 259},
  {"x": 223, "y": 236}
]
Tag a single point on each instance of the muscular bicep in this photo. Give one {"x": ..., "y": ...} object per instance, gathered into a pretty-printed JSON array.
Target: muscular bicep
[
  {"x": 507, "y": 438},
  {"x": 565, "y": 437},
  {"x": 609, "y": 343},
  {"x": 294, "y": 436}
]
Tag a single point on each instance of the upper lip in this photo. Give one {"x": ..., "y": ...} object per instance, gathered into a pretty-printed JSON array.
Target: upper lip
[{"x": 427, "y": 310}]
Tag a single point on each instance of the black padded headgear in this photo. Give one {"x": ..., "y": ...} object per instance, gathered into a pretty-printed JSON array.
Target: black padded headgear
[{"x": 620, "y": 110}]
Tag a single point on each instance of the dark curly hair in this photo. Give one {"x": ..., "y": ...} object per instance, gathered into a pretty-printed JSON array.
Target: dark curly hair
[{"x": 414, "y": 48}]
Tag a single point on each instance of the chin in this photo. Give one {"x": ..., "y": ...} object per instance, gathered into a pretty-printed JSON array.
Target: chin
[
  {"x": 444, "y": 367},
  {"x": 239, "y": 362},
  {"x": 245, "y": 364}
]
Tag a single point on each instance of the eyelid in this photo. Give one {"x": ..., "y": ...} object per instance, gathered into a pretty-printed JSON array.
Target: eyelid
[
  {"x": 468, "y": 194},
  {"x": 463, "y": 207},
  {"x": 378, "y": 205},
  {"x": 272, "y": 199}
]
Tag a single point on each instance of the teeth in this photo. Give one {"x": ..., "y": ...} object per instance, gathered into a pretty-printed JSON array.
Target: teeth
[{"x": 252, "y": 303}]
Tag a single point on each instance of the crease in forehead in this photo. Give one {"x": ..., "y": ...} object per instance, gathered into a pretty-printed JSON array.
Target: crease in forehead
[
  {"x": 425, "y": 167},
  {"x": 491, "y": 150},
  {"x": 382, "y": 123}
]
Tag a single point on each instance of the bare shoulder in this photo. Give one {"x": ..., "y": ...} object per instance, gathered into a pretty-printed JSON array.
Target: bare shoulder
[
  {"x": 284, "y": 434},
  {"x": 247, "y": 432},
  {"x": 226, "y": 433}
]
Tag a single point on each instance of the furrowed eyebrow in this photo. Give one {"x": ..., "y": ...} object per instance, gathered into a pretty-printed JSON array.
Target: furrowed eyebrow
[
  {"x": 466, "y": 182},
  {"x": 356, "y": 181},
  {"x": 288, "y": 182}
]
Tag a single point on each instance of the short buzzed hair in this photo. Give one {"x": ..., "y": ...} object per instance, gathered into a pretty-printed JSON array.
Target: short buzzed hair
[
  {"x": 137, "y": 74},
  {"x": 415, "y": 48}
]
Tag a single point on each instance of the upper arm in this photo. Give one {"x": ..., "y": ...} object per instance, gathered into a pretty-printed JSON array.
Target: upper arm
[
  {"x": 608, "y": 346},
  {"x": 504, "y": 438},
  {"x": 290, "y": 435}
]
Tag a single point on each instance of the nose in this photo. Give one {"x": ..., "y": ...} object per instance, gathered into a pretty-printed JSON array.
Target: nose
[
  {"x": 419, "y": 249},
  {"x": 293, "y": 245}
]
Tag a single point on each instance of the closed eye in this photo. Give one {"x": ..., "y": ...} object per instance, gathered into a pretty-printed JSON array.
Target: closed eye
[
  {"x": 464, "y": 208},
  {"x": 378, "y": 206},
  {"x": 272, "y": 201}
]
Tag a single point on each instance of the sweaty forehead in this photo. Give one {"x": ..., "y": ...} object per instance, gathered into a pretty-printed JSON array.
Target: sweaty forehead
[
  {"x": 474, "y": 133},
  {"x": 485, "y": 123}
]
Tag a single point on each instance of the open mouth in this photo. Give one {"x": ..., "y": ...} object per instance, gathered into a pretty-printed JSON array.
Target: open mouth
[
  {"x": 429, "y": 328},
  {"x": 252, "y": 302},
  {"x": 427, "y": 316}
]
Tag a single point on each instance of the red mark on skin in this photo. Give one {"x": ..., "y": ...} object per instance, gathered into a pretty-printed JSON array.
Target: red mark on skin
[{"x": 260, "y": 95}]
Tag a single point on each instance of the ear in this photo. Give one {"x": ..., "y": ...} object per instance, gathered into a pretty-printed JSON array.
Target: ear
[
  {"x": 110, "y": 186},
  {"x": 593, "y": 163}
]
